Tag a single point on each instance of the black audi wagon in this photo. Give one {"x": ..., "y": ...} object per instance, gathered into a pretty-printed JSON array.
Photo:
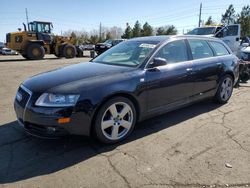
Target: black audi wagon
[{"x": 135, "y": 80}]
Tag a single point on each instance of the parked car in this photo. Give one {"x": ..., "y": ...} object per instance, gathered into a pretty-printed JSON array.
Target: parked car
[
  {"x": 7, "y": 51},
  {"x": 102, "y": 47},
  {"x": 133, "y": 81},
  {"x": 245, "y": 49},
  {"x": 87, "y": 47}
]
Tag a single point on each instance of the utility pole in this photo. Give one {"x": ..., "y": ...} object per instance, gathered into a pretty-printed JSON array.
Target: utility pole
[
  {"x": 27, "y": 17},
  {"x": 100, "y": 31},
  {"x": 200, "y": 15}
]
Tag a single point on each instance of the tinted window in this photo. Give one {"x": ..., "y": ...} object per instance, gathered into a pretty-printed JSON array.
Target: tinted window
[
  {"x": 200, "y": 49},
  {"x": 219, "y": 48},
  {"x": 202, "y": 31},
  {"x": 130, "y": 53},
  {"x": 231, "y": 30},
  {"x": 174, "y": 52}
]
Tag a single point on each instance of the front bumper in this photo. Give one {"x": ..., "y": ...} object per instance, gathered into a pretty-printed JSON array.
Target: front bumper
[{"x": 43, "y": 121}]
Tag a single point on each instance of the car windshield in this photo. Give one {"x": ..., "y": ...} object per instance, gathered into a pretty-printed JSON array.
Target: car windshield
[
  {"x": 129, "y": 53},
  {"x": 108, "y": 42},
  {"x": 202, "y": 31}
]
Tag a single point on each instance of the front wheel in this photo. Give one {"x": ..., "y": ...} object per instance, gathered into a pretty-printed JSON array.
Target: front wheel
[
  {"x": 115, "y": 120},
  {"x": 35, "y": 51},
  {"x": 225, "y": 90},
  {"x": 69, "y": 51}
]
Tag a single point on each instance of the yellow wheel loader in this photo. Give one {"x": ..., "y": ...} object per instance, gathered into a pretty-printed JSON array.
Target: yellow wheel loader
[{"x": 37, "y": 40}]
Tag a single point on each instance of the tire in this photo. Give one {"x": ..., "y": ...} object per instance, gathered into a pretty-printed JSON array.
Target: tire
[
  {"x": 24, "y": 56},
  {"x": 69, "y": 51},
  {"x": 244, "y": 77},
  {"x": 112, "y": 124},
  {"x": 225, "y": 89},
  {"x": 35, "y": 51}
]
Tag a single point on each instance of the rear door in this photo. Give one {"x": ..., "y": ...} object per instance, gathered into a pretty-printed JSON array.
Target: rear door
[{"x": 206, "y": 67}]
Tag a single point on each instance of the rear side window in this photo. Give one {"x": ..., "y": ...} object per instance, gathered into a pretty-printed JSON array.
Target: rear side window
[
  {"x": 200, "y": 49},
  {"x": 219, "y": 48},
  {"x": 174, "y": 52}
]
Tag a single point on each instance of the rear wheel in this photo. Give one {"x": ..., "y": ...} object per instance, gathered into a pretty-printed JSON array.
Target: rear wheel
[
  {"x": 24, "y": 55},
  {"x": 35, "y": 51},
  {"x": 69, "y": 51},
  {"x": 225, "y": 90},
  {"x": 115, "y": 120}
]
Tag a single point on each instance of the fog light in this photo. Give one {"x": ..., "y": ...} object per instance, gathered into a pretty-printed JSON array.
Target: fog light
[
  {"x": 63, "y": 120},
  {"x": 51, "y": 130}
]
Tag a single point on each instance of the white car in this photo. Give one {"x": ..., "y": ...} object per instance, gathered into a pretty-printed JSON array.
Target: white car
[
  {"x": 245, "y": 49},
  {"x": 7, "y": 51}
]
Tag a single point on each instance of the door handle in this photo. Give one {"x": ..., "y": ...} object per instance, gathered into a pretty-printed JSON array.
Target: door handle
[
  {"x": 219, "y": 64},
  {"x": 189, "y": 69}
]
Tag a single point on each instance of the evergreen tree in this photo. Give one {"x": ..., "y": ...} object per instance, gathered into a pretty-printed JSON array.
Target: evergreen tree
[
  {"x": 136, "y": 31},
  {"x": 229, "y": 16},
  {"x": 147, "y": 30},
  {"x": 128, "y": 33},
  {"x": 244, "y": 21},
  {"x": 209, "y": 21},
  {"x": 166, "y": 30}
]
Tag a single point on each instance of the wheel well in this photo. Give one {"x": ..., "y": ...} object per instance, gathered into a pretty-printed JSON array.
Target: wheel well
[
  {"x": 229, "y": 73},
  {"x": 125, "y": 95},
  {"x": 36, "y": 42}
]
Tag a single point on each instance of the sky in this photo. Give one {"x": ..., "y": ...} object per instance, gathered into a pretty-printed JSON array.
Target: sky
[{"x": 87, "y": 14}]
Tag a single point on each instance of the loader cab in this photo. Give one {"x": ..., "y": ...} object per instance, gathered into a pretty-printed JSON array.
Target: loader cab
[
  {"x": 42, "y": 30},
  {"x": 40, "y": 27}
]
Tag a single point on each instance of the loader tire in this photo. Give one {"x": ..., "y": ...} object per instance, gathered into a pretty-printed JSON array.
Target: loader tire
[
  {"x": 35, "y": 51},
  {"x": 69, "y": 51}
]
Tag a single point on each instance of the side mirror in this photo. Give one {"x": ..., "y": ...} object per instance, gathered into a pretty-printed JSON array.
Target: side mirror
[
  {"x": 158, "y": 61},
  {"x": 245, "y": 44}
]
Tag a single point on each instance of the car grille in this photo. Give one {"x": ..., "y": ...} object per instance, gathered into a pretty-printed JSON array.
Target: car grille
[
  {"x": 23, "y": 96},
  {"x": 8, "y": 38}
]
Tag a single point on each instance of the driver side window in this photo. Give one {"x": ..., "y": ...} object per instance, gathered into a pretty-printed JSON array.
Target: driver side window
[{"x": 174, "y": 52}]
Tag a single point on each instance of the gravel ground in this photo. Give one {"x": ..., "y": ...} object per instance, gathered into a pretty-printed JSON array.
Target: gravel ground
[{"x": 203, "y": 145}]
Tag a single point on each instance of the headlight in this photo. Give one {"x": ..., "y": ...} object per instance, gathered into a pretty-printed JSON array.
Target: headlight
[
  {"x": 245, "y": 56},
  {"x": 56, "y": 100}
]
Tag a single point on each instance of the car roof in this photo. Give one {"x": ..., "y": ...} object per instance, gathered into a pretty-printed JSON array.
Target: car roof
[{"x": 163, "y": 38}]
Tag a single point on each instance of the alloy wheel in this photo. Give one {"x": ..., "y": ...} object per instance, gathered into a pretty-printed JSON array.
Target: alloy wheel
[
  {"x": 117, "y": 121},
  {"x": 226, "y": 89}
]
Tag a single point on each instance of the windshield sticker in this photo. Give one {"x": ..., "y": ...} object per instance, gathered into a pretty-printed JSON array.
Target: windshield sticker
[{"x": 147, "y": 45}]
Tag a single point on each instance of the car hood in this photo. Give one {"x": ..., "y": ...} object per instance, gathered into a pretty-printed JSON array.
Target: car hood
[{"x": 82, "y": 72}]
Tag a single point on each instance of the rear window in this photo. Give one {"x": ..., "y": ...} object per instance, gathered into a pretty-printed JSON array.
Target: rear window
[
  {"x": 219, "y": 48},
  {"x": 200, "y": 49}
]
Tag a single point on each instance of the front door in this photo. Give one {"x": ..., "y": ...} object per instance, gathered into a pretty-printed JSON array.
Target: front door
[{"x": 172, "y": 83}]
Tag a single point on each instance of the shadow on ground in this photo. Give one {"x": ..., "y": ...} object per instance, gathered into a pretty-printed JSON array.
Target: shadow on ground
[
  {"x": 22, "y": 59},
  {"x": 23, "y": 157}
]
